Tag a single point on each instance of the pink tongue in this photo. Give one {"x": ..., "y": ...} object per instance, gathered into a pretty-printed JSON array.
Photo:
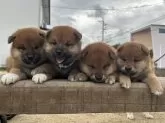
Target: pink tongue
[{"x": 59, "y": 61}]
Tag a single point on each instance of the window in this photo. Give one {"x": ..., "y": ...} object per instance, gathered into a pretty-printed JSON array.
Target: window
[{"x": 161, "y": 30}]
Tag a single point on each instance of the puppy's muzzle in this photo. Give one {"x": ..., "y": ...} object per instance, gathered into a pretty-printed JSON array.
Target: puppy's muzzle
[
  {"x": 128, "y": 69},
  {"x": 98, "y": 77},
  {"x": 31, "y": 58}
]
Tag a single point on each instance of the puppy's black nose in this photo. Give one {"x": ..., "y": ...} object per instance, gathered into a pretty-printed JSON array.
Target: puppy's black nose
[
  {"x": 58, "y": 51},
  {"x": 30, "y": 56},
  {"x": 98, "y": 76},
  {"x": 128, "y": 69}
]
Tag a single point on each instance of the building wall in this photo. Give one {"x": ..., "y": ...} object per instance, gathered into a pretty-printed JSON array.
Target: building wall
[
  {"x": 16, "y": 14},
  {"x": 158, "y": 40},
  {"x": 143, "y": 37}
]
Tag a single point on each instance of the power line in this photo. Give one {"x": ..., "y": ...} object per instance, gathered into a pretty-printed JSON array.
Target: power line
[
  {"x": 110, "y": 8},
  {"x": 130, "y": 30}
]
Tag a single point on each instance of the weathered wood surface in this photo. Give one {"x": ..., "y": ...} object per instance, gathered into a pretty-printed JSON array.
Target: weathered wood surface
[{"x": 61, "y": 96}]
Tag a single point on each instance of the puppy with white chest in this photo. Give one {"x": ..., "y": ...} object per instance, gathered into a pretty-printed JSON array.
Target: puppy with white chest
[
  {"x": 63, "y": 47},
  {"x": 135, "y": 63},
  {"x": 27, "y": 56},
  {"x": 98, "y": 63}
]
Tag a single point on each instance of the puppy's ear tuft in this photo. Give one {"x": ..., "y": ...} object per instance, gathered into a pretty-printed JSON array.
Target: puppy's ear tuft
[
  {"x": 78, "y": 35},
  {"x": 11, "y": 39},
  {"x": 145, "y": 50},
  {"x": 48, "y": 34}
]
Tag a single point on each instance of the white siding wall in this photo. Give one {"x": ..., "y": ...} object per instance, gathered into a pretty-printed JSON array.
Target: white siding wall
[
  {"x": 16, "y": 14},
  {"x": 158, "y": 42}
]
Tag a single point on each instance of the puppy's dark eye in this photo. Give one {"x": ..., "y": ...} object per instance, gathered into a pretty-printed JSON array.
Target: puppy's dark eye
[
  {"x": 91, "y": 66},
  {"x": 36, "y": 47},
  {"x": 69, "y": 44},
  {"x": 21, "y": 48},
  {"x": 124, "y": 59},
  {"x": 137, "y": 60},
  {"x": 106, "y": 66},
  {"x": 53, "y": 43}
]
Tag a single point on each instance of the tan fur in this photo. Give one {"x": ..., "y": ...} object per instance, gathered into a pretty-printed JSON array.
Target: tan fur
[
  {"x": 65, "y": 36},
  {"x": 99, "y": 58},
  {"x": 28, "y": 38},
  {"x": 138, "y": 57}
]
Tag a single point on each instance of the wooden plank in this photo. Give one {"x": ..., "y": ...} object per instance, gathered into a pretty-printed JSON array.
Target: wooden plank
[{"x": 61, "y": 96}]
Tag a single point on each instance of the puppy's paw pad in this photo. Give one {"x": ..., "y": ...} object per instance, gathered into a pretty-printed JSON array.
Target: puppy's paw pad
[
  {"x": 148, "y": 115},
  {"x": 9, "y": 78},
  {"x": 110, "y": 80},
  {"x": 130, "y": 116},
  {"x": 39, "y": 78}
]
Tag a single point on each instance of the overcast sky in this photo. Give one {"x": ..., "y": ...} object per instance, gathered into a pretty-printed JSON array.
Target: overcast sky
[{"x": 121, "y": 16}]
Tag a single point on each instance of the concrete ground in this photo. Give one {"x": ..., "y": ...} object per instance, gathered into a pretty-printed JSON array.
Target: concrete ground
[{"x": 87, "y": 118}]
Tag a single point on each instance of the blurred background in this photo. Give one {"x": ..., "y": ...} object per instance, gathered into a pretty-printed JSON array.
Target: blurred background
[{"x": 111, "y": 21}]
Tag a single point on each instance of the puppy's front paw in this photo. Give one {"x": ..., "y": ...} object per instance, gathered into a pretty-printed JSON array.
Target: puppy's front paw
[
  {"x": 130, "y": 116},
  {"x": 110, "y": 79},
  {"x": 9, "y": 78},
  {"x": 77, "y": 77},
  {"x": 39, "y": 78},
  {"x": 157, "y": 90},
  {"x": 125, "y": 82}
]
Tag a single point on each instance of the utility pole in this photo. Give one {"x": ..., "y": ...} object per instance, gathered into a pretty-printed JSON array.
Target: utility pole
[{"x": 103, "y": 28}]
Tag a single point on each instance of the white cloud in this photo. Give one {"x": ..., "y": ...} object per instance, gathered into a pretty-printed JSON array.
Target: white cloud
[{"x": 128, "y": 14}]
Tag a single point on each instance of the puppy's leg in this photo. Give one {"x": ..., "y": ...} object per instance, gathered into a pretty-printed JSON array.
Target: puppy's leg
[
  {"x": 111, "y": 79},
  {"x": 154, "y": 84},
  {"x": 13, "y": 76},
  {"x": 130, "y": 115},
  {"x": 125, "y": 81},
  {"x": 148, "y": 115},
  {"x": 14, "y": 72},
  {"x": 76, "y": 75},
  {"x": 42, "y": 73}
]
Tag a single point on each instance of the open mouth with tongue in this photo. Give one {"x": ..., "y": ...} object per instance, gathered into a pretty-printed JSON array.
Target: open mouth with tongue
[
  {"x": 64, "y": 63},
  {"x": 60, "y": 60}
]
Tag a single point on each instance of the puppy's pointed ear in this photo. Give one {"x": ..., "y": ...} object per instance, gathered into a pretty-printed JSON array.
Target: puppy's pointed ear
[
  {"x": 48, "y": 34},
  {"x": 78, "y": 35},
  {"x": 120, "y": 48},
  {"x": 145, "y": 50},
  {"x": 11, "y": 39}
]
